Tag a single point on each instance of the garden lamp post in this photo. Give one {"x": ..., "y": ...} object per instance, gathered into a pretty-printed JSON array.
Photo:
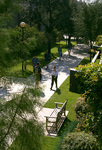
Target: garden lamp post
[{"x": 22, "y": 25}]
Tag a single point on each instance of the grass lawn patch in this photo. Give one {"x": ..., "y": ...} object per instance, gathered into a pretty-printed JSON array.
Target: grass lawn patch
[
  {"x": 50, "y": 143},
  {"x": 86, "y": 60}
]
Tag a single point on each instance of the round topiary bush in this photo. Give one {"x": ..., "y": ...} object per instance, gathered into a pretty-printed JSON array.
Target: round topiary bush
[{"x": 79, "y": 141}]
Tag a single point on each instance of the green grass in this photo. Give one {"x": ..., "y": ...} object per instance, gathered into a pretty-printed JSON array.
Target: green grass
[
  {"x": 50, "y": 143},
  {"x": 86, "y": 60}
]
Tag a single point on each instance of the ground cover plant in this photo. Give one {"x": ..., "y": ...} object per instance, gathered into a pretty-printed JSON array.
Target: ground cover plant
[{"x": 79, "y": 140}]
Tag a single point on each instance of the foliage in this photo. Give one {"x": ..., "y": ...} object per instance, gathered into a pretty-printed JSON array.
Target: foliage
[
  {"x": 33, "y": 40},
  {"x": 88, "y": 21},
  {"x": 18, "y": 118},
  {"x": 50, "y": 15},
  {"x": 81, "y": 107},
  {"x": 79, "y": 140},
  {"x": 99, "y": 40},
  {"x": 5, "y": 57},
  {"x": 89, "y": 79},
  {"x": 65, "y": 22}
]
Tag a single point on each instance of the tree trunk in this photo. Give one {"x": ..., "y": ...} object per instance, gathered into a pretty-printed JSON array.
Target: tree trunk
[
  {"x": 69, "y": 39},
  {"x": 49, "y": 46}
]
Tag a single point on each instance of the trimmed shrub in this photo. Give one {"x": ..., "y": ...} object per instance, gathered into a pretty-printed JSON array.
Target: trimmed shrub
[
  {"x": 79, "y": 141},
  {"x": 81, "y": 107}
]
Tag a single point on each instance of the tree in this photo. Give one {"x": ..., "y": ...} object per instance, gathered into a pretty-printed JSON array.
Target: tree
[
  {"x": 88, "y": 21},
  {"x": 47, "y": 14},
  {"x": 18, "y": 119},
  {"x": 33, "y": 42},
  {"x": 66, "y": 22}
]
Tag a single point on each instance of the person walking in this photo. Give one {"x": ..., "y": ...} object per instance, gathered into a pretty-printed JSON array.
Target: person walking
[
  {"x": 37, "y": 74},
  {"x": 54, "y": 75},
  {"x": 35, "y": 60},
  {"x": 69, "y": 48},
  {"x": 60, "y": 52},
  {"x": 47, "y": 57}
]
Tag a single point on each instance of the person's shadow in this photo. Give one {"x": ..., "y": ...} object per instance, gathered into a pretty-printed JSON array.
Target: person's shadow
[{"x": 58, "y": 91}]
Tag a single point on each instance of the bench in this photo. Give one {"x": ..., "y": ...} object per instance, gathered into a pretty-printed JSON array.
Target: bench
[{"x": 55, "y": 120}]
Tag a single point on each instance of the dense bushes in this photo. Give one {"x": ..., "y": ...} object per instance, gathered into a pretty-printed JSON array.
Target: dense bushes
[
  {"x": 34, "y": 41},
  {"x": 79, "y": 141},
  {"x": 89, "y": 80}
]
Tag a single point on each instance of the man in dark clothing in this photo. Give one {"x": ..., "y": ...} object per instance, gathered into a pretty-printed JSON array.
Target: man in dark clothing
[
  {"x": 47, "y": 57},
  {"x": 60, "y": 52},
  {"x": 69, "y": 47},
  {"x": 37, "y": 74},
  {"x": 35, "y": 60}
]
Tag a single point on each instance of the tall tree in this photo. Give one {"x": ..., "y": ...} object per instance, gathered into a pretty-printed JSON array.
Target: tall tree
[
  {"x": 66, "y": 23},
  {"x": 47, "y": 14},
  {"x": 89, "y": 21}
]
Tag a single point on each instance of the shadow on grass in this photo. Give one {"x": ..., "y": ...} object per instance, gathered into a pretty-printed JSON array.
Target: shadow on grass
[
  {"x": 54, "y": 56},
  {"x": 67, "y": 127},
  {"x": 58, "y": 91},
  {"x": 86, "y": 60}
]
